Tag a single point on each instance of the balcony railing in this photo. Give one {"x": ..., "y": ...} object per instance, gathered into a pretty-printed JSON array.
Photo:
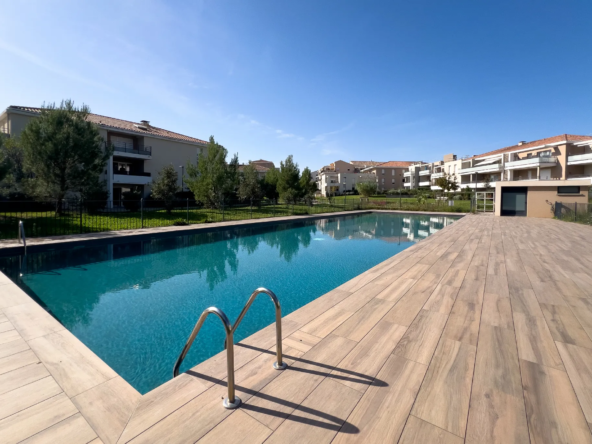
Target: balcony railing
[
  {"x": 438, "y": 175},
  {"x": 425, "y": 172},
  {"x": 488, "y": 168},
  {"x": 146, "y": 151},
  {"x": 532, "y": 162},
  {"x": 427, "y": 183},
  {"x": 579, "y": 159},
  {"x": 132, "y": 173},
  {"x": 407, "y": 174}
]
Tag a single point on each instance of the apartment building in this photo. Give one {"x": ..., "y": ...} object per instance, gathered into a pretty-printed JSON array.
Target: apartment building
[
  {"x": 389, "y": 175},
  {"x": 340, "y": 177},
  {"x": 141, "y": 150}
]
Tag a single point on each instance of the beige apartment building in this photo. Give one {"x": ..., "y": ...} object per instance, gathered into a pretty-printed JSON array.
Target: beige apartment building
[
  {"x": 389, "y": 175},
  {"x": 527, "y": 177},
  {"x": 141, "y": 150},
  {"x": 340, "y": 177}
]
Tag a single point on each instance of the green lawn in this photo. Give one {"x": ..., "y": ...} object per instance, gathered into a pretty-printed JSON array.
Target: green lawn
[{"x": 38, "y": 224}]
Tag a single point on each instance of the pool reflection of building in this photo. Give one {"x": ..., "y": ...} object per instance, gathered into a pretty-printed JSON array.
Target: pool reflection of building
[
  {"x": 395, "y": 229},
  {"x": 417, "y": 229}
]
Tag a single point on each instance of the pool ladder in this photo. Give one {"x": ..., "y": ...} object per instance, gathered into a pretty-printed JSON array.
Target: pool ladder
[
  {"x": 233, "y": 401},
  {"x": 22, "y": 239}
]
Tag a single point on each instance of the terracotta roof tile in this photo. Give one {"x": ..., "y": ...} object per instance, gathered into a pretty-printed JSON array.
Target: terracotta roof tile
[
  {"x": 364, "y": 163},
  {"x": 395, "y": 163},
  {"x": 126, "y": 125},
  {"x": 548, "y": 140}
]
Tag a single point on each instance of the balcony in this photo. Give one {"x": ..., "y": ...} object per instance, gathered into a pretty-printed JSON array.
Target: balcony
[
  {"x": 407, "y": 184},
  {"x": 485, "y": 168},
  {"x": 143, "y": 153},
  {"x": 436, "y": 187},
  {"x": 580, "y": 159},
  {"x": 425, "y": 172},
  {"x": 438, "y": 175},
  {"x": 407, "y": 174},
  {"x": 426, "y": 183},
  {"x": 134, "y": 178},
  {"x": 475, "y": 185},
  {"x": 533, "y": 162}
]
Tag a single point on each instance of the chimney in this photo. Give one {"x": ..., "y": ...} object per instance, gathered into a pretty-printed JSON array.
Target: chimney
[
  {"x": 522, "y": 142},
  {"x": 145, "y": 123}
]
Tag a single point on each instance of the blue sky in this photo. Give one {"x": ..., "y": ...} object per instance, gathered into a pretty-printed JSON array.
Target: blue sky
[{"x": 322, "y": 80}]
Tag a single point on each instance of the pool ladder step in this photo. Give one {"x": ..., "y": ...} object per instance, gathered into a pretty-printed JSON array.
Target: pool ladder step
[{"x": 233, "y": 401}]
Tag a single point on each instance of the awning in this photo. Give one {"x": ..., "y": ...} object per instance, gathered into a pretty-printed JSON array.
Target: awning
[{"x": 487, "y": 162}]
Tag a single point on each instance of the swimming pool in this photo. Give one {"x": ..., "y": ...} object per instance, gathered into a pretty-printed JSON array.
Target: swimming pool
[{"x": 135, "y": 303}]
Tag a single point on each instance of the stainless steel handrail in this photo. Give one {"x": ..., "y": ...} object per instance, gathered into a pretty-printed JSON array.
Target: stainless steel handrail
[
  {"x": 21, "y": 235},
  {"x": 232, "y": 401},
  {"x": 279, "y": 364}
]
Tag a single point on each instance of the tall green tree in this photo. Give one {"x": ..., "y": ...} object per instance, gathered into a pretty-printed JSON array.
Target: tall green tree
[
  {"x": 249, "y": 188},
  {"x": 269, "y": 184},
  {"x": 166, "y": 186},
  {"x": 213, "y": 180},
  {"x": 63, "y": 150},
  {"x": 308, "y": 187},
  {"x": 288, "y": 184}
]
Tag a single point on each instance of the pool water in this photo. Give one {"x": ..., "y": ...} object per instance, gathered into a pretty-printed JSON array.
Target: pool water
[{"x": 134, "y": 304}]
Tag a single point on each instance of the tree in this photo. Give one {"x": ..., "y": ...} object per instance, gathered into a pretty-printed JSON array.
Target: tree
[
  {"x": 63, "y": 150},
  {"x": 447, "y": 183},
  {"x": 288, "y": 184},
  {"x": 308, "y": 187},
  {"x": 249, "y": 187},
  {"x": 166, "y": 186},
  {"x": 269, "y": 184},
  {"x": 213, "y": 180},
  {"x": 367, "y": 188}
]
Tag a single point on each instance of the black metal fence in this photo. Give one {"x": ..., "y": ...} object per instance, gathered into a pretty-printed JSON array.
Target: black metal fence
[
  {"x": 574, "y": 212},
  {"x": 51, "y": 218}
]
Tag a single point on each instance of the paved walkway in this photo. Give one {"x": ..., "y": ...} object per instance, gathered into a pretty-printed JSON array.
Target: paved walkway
[{"x": 479, "y": 334}]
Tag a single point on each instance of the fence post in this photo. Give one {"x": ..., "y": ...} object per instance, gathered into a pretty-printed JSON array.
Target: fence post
[
  {"x": 187, "y": 217},
  {"x": 142, "y": 211},
  {"x": 576, "y": 212},
  {"x": 80, "y": 216}
]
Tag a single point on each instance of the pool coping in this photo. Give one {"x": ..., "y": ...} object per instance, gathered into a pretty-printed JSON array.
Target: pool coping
[
  {"x": 66, "y": 358},
  {"x": 35, "y": 244}
]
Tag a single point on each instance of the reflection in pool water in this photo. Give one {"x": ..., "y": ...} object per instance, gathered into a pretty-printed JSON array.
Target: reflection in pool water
[{"x": 135, "y": 303}]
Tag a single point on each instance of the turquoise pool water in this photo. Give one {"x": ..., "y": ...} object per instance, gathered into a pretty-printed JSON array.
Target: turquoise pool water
[{"x": 134, "y": 304}]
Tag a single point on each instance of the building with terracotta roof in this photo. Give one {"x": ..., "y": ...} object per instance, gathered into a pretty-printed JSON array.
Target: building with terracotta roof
[
  {"x": 141, "y": 150},
  {"x": 389, "y": 175},
  {"x": 262, "y": 167}
]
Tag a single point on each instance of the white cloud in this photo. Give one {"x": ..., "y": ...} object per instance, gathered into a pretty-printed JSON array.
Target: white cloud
[
  {"x": 324, "y": 136},
  {"x": 36, "y": 60}
]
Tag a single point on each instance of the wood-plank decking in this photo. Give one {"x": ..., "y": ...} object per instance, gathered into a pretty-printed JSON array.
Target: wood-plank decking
[{"x": 481, "y": 333}]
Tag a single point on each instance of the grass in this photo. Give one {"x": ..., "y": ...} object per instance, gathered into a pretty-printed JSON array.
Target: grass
[{"x": 48, "y": 223}]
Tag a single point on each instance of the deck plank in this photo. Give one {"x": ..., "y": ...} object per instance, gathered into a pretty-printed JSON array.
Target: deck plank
[
  {"x": 443, "y": 399},
  {"x": 552, "y": 408},
  {"x": 422, "y": 336},
  {"x": 381, "y": 414},
  {"x": 418, "y": 431},
  {"x": 497, "y": 412}
]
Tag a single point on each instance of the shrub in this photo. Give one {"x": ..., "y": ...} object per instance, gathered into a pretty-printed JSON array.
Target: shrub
[
  {"x": 131, "y": 200},
  {"x": 180, "y": 222}
]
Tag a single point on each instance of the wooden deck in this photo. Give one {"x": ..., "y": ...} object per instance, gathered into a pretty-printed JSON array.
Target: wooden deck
[{"x": 479, "y": 334}]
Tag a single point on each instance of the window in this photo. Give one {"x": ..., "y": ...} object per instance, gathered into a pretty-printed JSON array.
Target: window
[
  {"x": 383, "y": 171},
  {"x": 393, "y": 182},
  {"x": 393, "y": 172},
  {"x": 568, "y": 190}
]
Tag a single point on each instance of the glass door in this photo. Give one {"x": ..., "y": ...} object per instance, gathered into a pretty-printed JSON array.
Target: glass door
[{"x": 514, "y": 201}]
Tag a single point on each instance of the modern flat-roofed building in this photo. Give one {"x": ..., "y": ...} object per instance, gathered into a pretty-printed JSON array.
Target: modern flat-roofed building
[{"x": 141, "y": 150}]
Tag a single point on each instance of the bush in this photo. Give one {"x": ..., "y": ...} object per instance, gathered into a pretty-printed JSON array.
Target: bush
[
  {"x": 131, "y": 200},
  {"x": 180, "y": 222}
]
